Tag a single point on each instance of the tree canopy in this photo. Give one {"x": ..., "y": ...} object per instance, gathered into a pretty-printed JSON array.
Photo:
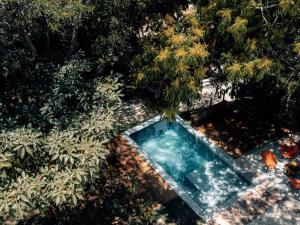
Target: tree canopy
[
  {"x": 254, "y": 41},
  {"x": 64, "y": 66},
  {"x": 252, "y": 44},
  {"x": 172, "y": 64},
  {"x": 61, "y": 68},
  {"x": 37, "y": 38}
]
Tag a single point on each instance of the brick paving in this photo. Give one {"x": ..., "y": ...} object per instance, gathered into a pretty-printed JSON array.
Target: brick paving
[{"x": 132, "y": 164}]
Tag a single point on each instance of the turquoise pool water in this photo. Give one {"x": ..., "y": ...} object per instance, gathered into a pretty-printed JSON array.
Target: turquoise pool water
[{"x": 208, "y": 180}]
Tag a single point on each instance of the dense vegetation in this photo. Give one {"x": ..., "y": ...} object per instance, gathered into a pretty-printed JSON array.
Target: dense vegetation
[
  {"x": 62, "y": 63},
  {"x": 65, "y": 64},
  {"x": 254, "y": 45},
  {"x": 172, "y": 65}
]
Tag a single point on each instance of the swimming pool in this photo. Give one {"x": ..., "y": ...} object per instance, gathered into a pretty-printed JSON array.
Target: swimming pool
[{"x": 198, "y": 173}]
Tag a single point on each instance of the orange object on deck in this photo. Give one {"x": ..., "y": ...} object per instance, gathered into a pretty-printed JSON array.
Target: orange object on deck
[
  {"x": 289, "y": 149},
  {"x": 295, "y": 183},
  {"x": 269, "y": 159}
]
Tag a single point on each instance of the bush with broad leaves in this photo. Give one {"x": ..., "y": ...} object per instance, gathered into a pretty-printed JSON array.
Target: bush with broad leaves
[{"x": 44, "y": 172}]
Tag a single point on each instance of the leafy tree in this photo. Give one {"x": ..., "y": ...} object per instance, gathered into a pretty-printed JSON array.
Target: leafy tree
[
  {"x": 254, "y": 43},
  {"x": 42, "y": 172},
  {"x": 34, "y": 41},
  {"x": 49, "y": 31},
  {"x": 70, "y": 93},
  {"x": 29, "y": 30},
  {"x": 172, "y": 64},
  {"x": 116, "y": 26},
  {"x": 57, "y": 104},
  {"x": 38, "y": 37}
]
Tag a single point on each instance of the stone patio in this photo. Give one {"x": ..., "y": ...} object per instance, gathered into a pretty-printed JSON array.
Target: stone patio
[
  {"x": 269, "y": 201},
  {"x": 134, "y": 111}
]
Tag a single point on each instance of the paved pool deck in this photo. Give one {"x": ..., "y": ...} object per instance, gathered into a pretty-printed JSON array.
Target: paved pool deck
[{"x": 270, "y": 200}]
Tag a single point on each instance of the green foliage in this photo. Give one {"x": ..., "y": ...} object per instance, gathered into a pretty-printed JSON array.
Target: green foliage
[
  {"x": 39, "y": 38},
  {"x": 172, "y": 63},
  {"x": 57, "y": 104},
  {"x": 44, "y": 171},
  {"x": 70, "y": 93},
  {"x": 21, "y": 142},
  {"x": 21, "y": 150},
  {"x": 120, "y": 23},
  {"x": 28, "y": 28},
  {"x": 238, "y": 29},
  {"x": 253, "y": 43},
  {"x": 60, "y": 13},
  {"x": 19, "y": 199}
]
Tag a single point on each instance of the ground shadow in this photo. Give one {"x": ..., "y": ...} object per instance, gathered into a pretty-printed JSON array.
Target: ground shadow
[
  {"x": 238, "y": 135},
  {"x": 180, "y": 213}
]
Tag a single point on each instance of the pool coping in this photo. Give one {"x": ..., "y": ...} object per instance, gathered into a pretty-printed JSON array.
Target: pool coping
[{"x": 169, "y": 180}]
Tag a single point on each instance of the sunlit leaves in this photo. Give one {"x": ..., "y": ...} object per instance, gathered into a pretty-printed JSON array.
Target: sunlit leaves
[
  {"x": 107, "y": 92},
  {"x": 194, "y": 21},
  {"x": 169, "y": 31},
  {"x": 234, "y": 69},
  {"x": 163, "y": 55},
  {"x": 249, "y": 68},
  {"x": 19, "y": 149},
  {"x": 199, "y": 32},
  {"x": 251, "y": 45},
  {"x": 198, "y": 50},
  {"x": 61, "y": 12},
  {"x": 20, "y": 199},
  {"x": 173, "y": 69},
  {"x": 239, "y": 28},
  {"x": 285, "y": 4},
  {"x": 258, "y": 68},
  {"x": 297, "y": 48},
  {"x": 226, "y": 18},
  {"x": 180, "y": 53},
  {"x": 169, "y": 19},
  {"x": 190, "y": 12},
  {"x": 177, "y": 39},
  {"x": 200, "y": 72},
  {"x": 69, "y": 151},
  {"x": 39, "y": 171},
  {"x": 66, "y": 186},
  {"x": 139, "y": 76},
  {"x": 182, "y": 68},
  {"x": 264, "y": 64},
  {"x": 22, "y": 142}
]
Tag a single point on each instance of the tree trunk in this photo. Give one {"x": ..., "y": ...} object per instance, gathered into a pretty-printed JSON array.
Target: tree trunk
[
  {"x": 73, "y": 42},
  {"x": 30, "y": 45},
  {"x": 48, "y": 42}
]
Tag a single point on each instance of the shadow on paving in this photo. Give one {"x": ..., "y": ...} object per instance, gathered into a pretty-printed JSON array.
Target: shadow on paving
[
  {"x": 179, "y": 213},
  {"x": 238, "y": 135}
]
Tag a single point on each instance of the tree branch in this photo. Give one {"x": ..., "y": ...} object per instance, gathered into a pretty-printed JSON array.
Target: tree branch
[
  {"x": 73, "y": 41},
  {"x": 267, "y": 7},
  {"x": 30, "y": 45}
]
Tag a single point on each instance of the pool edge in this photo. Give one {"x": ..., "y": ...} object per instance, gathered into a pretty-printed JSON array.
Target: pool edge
[{"x": 170, "y": 181}]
